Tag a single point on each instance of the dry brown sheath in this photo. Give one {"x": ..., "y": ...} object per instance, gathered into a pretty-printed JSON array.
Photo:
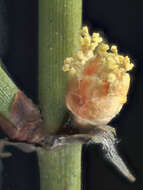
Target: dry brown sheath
[
  {"x": 25, "y": 120},
  {"x": 25, "y": 125}
]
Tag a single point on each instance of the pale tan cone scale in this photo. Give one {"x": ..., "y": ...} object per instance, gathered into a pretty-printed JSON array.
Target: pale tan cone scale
[{"x": 100, "y": 82}]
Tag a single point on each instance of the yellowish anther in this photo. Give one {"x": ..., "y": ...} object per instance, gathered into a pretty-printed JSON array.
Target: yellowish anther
[
  {"x": 89, "y": 43},
  {"x": 128, "y": 66},
  {"x": 102, "y": 49},
  {"x": 87, "y": 40},
  {"x": 68, "y": 64},
  {"x": 85, "y": 31},
  {"x": 114, "y": 49},
  {"x": 123, "y": 100},
  {"x": 127, "y": 59},
  {"x": 121, "y": 58},
  {"x": 68, "y": 60},
  {"x": 95, "y": 36},
  {"x": 66, "y": 68}
]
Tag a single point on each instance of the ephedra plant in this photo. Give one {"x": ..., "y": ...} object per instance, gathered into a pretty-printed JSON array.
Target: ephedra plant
[{"x": 75, "y": 106}]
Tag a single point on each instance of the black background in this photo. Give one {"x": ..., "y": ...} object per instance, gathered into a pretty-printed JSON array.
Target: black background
[{"x": 121, "y": 22}]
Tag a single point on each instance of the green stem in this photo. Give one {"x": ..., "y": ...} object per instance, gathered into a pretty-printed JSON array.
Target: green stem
[
  {"x": 8, "y": 91},
  {"x": 60, "y": 169},
  {"x": 59, "y": 28}
]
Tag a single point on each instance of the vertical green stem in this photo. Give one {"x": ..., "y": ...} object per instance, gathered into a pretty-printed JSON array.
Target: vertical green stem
[
  {"x": 59, "y": 28},
  {"x": 60, "y": 169}
]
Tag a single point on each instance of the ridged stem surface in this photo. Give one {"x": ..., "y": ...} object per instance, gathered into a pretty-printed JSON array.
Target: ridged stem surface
[
  {"x": 59, "y": 28},
  {"x": 8, "y": 91}
]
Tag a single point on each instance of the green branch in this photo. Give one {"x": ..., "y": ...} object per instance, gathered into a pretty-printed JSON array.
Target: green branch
[
  {"x": 8, "y": 91},
  {"x": 59, "y": 30}
]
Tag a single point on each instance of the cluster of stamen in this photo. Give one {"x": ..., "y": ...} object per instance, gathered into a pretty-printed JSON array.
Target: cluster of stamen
[
  {"x": 87, "y": 46},
  {"x": 90, "y": 48}
]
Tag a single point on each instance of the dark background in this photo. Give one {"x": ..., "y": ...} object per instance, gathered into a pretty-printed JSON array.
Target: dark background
[{"x": 121, "y": 22}]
